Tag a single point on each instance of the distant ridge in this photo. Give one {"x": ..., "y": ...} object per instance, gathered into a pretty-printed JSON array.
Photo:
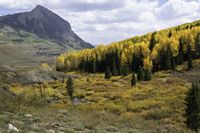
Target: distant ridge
[{"x": 47, "y": 25}]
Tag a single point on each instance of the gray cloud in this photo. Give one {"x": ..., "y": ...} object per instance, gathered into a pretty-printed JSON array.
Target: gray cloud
[{"x": 88, "y": 6}]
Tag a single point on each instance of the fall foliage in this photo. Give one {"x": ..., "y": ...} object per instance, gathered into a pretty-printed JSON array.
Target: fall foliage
[{"x": 161, "y": 50}]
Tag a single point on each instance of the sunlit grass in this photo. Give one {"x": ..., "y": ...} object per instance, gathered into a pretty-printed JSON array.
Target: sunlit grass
[{"x": 160, "y": 100}]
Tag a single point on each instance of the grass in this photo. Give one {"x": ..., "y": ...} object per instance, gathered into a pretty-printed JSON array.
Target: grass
[{"x": 111, "y": 105}]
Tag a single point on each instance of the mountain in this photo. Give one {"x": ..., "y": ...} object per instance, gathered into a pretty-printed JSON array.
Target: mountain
[{"x": 46, "y": 25}]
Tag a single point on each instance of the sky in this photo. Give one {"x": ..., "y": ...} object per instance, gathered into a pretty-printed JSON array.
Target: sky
[{"x": 106, "y": 21}]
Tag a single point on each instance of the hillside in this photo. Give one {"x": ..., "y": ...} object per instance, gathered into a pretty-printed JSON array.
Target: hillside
[
  {"x": 34, "y": 45},
  {"x": 102, "y": 106},
  {"x": 30, "y": 38},
  {"x": 160, "y": 50}
]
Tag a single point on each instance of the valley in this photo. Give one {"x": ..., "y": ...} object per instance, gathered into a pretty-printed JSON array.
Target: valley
[
  {"x": 101, "y": 105},
  {"x": 52, "y": 81}
]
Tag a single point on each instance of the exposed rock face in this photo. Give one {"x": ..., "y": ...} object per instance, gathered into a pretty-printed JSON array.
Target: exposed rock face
[{"x": 46, "y": 24}]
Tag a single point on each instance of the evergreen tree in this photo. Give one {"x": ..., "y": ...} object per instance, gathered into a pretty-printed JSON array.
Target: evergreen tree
[
  {"x": 93, "y": 66},
  {"x": 70, "y": 87},
  {"x": 120, "y": 71},
  {"x": 108, "y": 73},
  {"x": 173, "y": 64},
  {"x": 134, "y": 63},
  {"x": 114, "y": 70},
  {"x": 170, "y": 34},
  {"x": 118, "y": 62},
  {"x": 147, "y": 75},
  {"x": 133, "y": 80},
  {"x": 168, "y": 59},
  {"x": 180, "y": 55},
  {"x": 193, "y": 108},
  {"x": 152, "y": 41},
  {"x": 189, "y": 53},
  {"x": 140, "y": 74},
  {"x": 125, "y": 70},
  {"x": 197, "y": 45}
]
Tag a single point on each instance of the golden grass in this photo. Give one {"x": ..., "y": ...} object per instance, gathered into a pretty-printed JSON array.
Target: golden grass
[{"x": 161, "y": 99}]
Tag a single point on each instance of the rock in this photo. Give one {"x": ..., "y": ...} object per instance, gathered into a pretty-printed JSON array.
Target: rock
[
  {"x": 6, "y": 68},
  {"x": 76, "y": 101},
  {"x": 28, "y": 115},
  {"x": 56, "y": 125},
  {"x": 11, "y": 128},
  {"x": 51, "y": 131}
]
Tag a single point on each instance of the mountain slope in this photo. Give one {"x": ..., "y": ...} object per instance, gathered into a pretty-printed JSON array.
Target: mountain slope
[
  {"x": 161, "y": 50},
  {"x": 47, "y": 25}
]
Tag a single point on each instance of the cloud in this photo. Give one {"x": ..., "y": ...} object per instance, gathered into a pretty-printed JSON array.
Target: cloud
[
  {"x": 173, "y": 9},
  {"x": 88, "y": 6},
  {"x": 73, "y": 5},
  {"x": 105, "y": 21},
  {"x": 147, "y": 17}
]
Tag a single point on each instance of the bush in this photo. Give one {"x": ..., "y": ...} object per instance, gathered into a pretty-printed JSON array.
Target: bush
[{"x": 113, "y": 108}]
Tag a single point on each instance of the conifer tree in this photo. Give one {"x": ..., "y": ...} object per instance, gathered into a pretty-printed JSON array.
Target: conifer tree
[
  {"x": 70, "y": 87},
  {"x": 168, "y": 59},
  {"x": 197, "y": 45},
  {"x": 108, "y": 73},
  {"x": 114, "y": 69},
  {"x": 140, "y": 74},
  {"x": 170, "y": 34},
  {"x": 125, "y": 70},
  {"x": 180, "y": 55},
  {"x": 173, "y": 64},
  {"x": 189, "y": 53},
  {"x": 152, "y": 41},
  {"x": 120, "y": 71},
  {"x": 93, "y": 66},
  {"x": 147, "y": 75},
  {"x": 193, "y": 108},
  {"x": 133, "y": 80}
]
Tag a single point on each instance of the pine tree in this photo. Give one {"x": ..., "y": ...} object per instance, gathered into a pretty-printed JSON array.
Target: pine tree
[
  {"x": 180, "y": 54},
  {"x": 173, "y": 64},
  {"x": 189, "y": 53},
  {"x": 125, "y": 71},
  {"x": 133, "y": 80},
  {"x": 152, "y": 41},
  {"x": 70, "y": 87},
  {"x": 114, "y": 70},
  {"x": 168, "y": 59},
  {"x": 118, "y": 63},
  {"x": 147, "y": 76},
  {"x": 193, "y": 108},
  {"x": 108, "y": 73},
  {"x": 93, "y": 66},
  {"x": 197, "y": 45},
  {"x": 140, "y": 74},
  {"x": 170, "y": 34}
]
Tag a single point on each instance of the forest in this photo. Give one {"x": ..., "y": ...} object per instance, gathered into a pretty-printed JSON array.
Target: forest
[{"x": 160, "y": 50}]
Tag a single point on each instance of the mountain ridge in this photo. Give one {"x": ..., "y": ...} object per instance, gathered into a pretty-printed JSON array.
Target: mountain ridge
[{"x": 47, "y": 25}]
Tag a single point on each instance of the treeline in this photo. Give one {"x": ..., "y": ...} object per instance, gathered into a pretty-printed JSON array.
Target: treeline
[{"x": 162, "y": 50}]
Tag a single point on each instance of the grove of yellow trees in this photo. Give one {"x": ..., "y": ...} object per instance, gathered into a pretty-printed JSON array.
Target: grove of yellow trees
[{"x": 154, "y": 51}]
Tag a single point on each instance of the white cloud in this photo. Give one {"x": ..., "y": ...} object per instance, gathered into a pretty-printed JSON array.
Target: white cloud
[
  {"x": 105, "y": 21},
  {"x": 177, "y": 8},
  {"x": 147, "y": 16},
  {"x": 19, "y": 4}
]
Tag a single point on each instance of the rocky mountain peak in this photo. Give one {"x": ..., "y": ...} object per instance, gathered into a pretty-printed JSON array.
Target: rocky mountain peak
[{"x": 47, "y": 25}]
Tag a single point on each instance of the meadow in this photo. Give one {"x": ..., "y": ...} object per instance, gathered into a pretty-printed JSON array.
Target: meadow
[{"x": 102, "y": 105}]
